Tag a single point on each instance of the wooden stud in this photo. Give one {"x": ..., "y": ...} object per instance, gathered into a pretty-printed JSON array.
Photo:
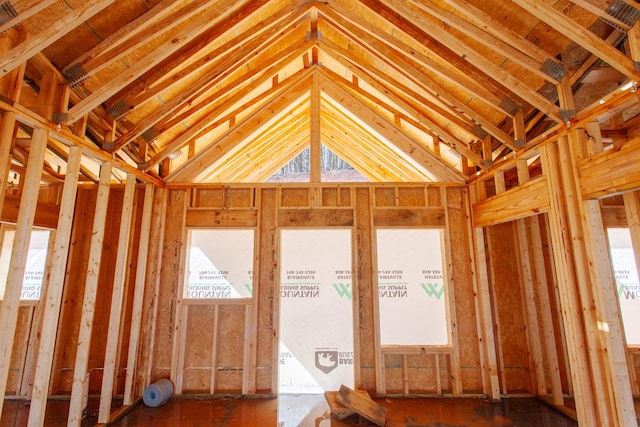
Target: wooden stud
[
  {"x": 530, "y": 310},
  {"x": 154, "y": 266},
  {"x": 7, "y": 139},
  {"x": 80, "y": 373},
  {"x": 541, "y": 292},
  {"x": 11, "y": 301},
  {"x": 315, "y": 158},
  {"x": 214, "y": 348},
  {"x": 447, "y": 273},
  {"x": 632, "y": 210},
  {"x": 26, "y": 387},
  {"x": 117, "y": 297},
  {"x": 492, "y": 305},
  {"x": 138, "y": 296},
  {"x": 181, "y": 311},
  {"x": 54, "y": 292},
  {"x": 568, "y": 291},
  {"x": 485, "y": 316}
]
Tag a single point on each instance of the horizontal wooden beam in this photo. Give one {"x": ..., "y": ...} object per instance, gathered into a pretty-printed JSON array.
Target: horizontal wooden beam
[
  {"x": 526, "y": 200},
  {"x": 611, "y": 172}
]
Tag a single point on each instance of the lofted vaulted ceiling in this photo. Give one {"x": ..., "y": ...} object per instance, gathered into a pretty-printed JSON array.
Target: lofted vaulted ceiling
[{"x": 229, "y": 91}]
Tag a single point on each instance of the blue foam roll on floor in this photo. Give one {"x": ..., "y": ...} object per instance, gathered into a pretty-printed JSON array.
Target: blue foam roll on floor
[{"x": 157, "y": 393}]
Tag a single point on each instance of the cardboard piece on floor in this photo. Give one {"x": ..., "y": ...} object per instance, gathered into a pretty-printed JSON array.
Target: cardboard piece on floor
[
  {"x": 362, "y": 405},
  {"x": 338, "y": 410}
]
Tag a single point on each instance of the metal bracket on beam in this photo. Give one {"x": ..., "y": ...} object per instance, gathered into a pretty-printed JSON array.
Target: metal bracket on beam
[
  {"x": 59, "y": 118},
  {"x": 143, "y": 166},
  {"x": 520, "y": 142},
  {"x": 553, "y": 69},
  {"x": 109, "y": 145},
  {"x": 119, "y": 110},
  {"x": 567, "y": 115},
  {"x": 509, "y": 105},
  {"x": 150, "y": 134},
  {"x": 623, "y": 12},
  {"x": 479, "y": 131},
  {"x": 486, "y": 163},
  {"x": 7, "y": 12},
  {"x": 75, "y": 74}
]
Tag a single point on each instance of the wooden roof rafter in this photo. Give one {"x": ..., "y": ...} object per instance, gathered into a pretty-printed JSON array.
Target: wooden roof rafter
[
  {"x": 402, "y": 58},
  {"x": 444, "y": 134},
  {"x": 158, "y": 20},
  {"x": 285, "y": 138},
  {"x": 491, "y": 70},
  {"x": 221, "y": 69},
  {"x": 217, "y": 116},
  {"x": 404, "y": 142},
  {"x": 581, "y": 36},
  {"x": 281, "y": 123},
  {"x": 397, "y": 92},
  {"x": 194, "y": 28},
  {"x": 349, "y": 140},
  {"x": 276, "y": 26},
  {"x": 269, "y": 112}
]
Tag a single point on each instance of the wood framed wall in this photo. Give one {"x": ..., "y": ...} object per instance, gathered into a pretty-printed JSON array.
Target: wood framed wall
[
  {"x": 560, "y": 217},
  {"x": 244, "y": 360}
]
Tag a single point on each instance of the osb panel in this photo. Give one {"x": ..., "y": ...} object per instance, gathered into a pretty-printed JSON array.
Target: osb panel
[
  {"x": 393, "y": 379},
  {"x": 208, "y": 198},
  {"x": 411, "y": 196},
  {"x": 330, "y": 197},
  {"x": 554, "y": 300},
  {"x": 229, "y": 380},
  {"x": 196, "y": 380},
  {"x": 169, "y": 278},
  {"x": 199, "y": 339},
  {"x": 20, "y": 341},
  {"x": 231, "y": 327},
  {"x": 105, "y": 289},
  {"x": 240, "y": 197},
  {"x": 508, "y": 298},
  {"x": 422, "y": 377},
  {"x": 130, "y": 282},
  {"x": 345, "y": 196},
  {"x": 434, "y": 196},
  {"x": 385, "y": 196},
  {"x": 461, "y": 278},
  {"x": 70, "y": 311},
  {"x": 294, "y": 197}
]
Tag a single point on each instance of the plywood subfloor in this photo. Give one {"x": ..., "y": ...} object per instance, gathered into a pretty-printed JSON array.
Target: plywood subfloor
[{"x": 310, "y": 410}]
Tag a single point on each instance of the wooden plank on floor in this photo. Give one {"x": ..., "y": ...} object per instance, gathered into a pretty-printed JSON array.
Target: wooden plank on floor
[
  {"x": 338, "y": 410},
  {"x": 362, "y": 405}
]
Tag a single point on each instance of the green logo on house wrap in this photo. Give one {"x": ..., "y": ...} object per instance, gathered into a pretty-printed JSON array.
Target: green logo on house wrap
[
  {"x": 343, "y": 289},
  {"x": 433, "y": 290}
]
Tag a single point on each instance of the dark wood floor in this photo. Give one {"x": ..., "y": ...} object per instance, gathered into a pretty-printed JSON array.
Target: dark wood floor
[{"x": 309, "y": 410}]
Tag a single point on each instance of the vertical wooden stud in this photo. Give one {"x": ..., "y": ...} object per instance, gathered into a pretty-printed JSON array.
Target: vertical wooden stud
[
  {"x": 89, "y": 301},
  {"x": 541, "y": 292},
  {"x": 54, "y": 293},
  {"x": 315, "y": 147},
  {"x": 530, "y": 310},
  {"x": 488, "y": 346},
  {"x": 138, "y": 295},
  {"x": 570, "y": 300},
  {"x": 117, "y": 294},
  {"x": 11, "y": 301}
]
